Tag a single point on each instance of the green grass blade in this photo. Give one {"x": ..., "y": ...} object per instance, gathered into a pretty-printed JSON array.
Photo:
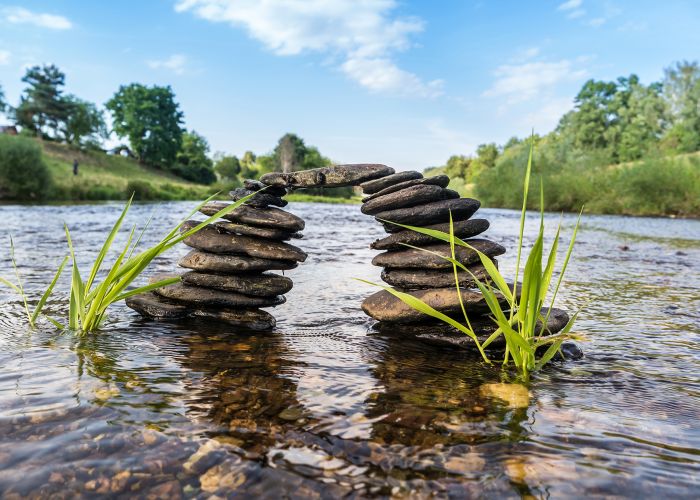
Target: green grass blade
[
  {"x": 20, "y": 287},
  {"x": 55, "y": 323},
  {"x": 49, "y": 290},
  {"x": 148, "y": 288},
  {"x": 11, "y": 285}
]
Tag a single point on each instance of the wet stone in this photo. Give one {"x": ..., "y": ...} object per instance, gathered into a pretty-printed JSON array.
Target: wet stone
[
  {"x": 462, "y": 229},
  {"x": 373, "y": 186},
  {"x": 154, "y": 306},
  {"x": 254, "y": 185},
  {"x": 334, "y": 176},
  {"x": 430, "y": 213},
  {"x": 412, "y": 258},
  {"x": 262, "y": 285},
  {"x": 426, "y": 278},
  {"x": 436, "y": 180},
  {"x": 204, "y": 261},
  {"x": 258, "y": 200},
  {"x": 210, "y": 297},
  {"x": 261, "y": 232},
  {"x": 383, "y": 306},
  {"x": 211, "y": 240},
  {"x": 265, "y": 217},
  {"x": 251, "y": 319},
  {"x": 411, "y": 196}
]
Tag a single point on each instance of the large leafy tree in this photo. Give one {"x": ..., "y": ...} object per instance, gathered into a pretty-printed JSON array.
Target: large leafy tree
[
  {"x": 152, "y": 121},
  {"x": 84, "y": 123},
  {"x": 289, "y": 153},
  {"x": 192, "y": 160},
  {"x": 681, "y": 88},
  {"x": 228, "y": 167},
  {"x": 42, "y": 108}
]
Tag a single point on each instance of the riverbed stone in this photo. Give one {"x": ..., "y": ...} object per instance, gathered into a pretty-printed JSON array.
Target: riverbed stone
[
  {"x": 154, "y": 306},
  {"x": 413, "y": 258},
  {"x": 428, "y": 278},
  {"x": 261, "y": 232},
  {"x": 383, "y": 306},
  {"x": 462, "y": 229},
  {"x": 430, "y": 213},
  {"x": 221, "y": 263},
  {"x": 265, "y": 217},
  {"x": 263, "y": 285},
  {"x": 436, "y": 180},
  {"x": 333, "y": 176},
  {"x": 249, "y": 319},
  {"x": 258, "y": 200},
  {"x": 411, "y": 196},
  {"x": 255, "y": 185},
  {"x": 210, "y": 297},
  {"x": 376, "y": 185},
  {"x": 209, "y": 239}
]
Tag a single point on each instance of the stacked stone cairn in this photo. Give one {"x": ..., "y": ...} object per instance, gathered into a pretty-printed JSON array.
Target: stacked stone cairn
[{"x": 227, "y": 277}]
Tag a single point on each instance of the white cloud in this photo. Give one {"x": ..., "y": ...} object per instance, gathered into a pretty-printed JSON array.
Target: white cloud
[
  {"x": 20, "y": 15},
  {"x": 598, "y": 21},
  {"x": 570, "y": 5},
  {"x": 175, "y": 63},
  {"x": 4, "y": 57},
  {"x": 575, "y": 14},
  {"x": 362, "y": 33},
  {"x": 521, "y": 82}
]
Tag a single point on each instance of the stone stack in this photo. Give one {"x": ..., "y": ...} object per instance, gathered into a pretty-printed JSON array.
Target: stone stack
[{"x": 228, "y": 276}]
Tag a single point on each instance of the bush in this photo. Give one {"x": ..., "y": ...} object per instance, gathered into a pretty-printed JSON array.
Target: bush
[
  {"x": 200, "y": 174},
  {"x": 141, "y": 190},
  {"x": 23, "y": 173}
]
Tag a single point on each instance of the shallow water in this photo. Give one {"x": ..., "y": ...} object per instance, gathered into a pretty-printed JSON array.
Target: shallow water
[{"x": 324, "y": 407}]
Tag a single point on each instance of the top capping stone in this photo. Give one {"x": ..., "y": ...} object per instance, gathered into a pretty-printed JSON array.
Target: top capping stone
[{"x": 334, "y": 176}]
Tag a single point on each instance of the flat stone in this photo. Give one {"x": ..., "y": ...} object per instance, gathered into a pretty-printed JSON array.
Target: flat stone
[
  {"x": 211, "y": 240},
  {"x": 258, "y": 200},
  {"x": 376, "y": 185},
  {"x": 209, "y": 297},
  {"x": 462, "y": 229},
  {"x": 263, "y": 285},
  {"x": 436, "y": 180},
  {"x": 334, "y": 176},
  {"x": 154, "y": 306},
  {"x": 412, "y": 258},
  {"x": 426, "y": 278},
  {"x": 261, "y": 232},
  {"x": 383, "y": 306},
  {"x": 265, "y": 217},
  {"x": 411, "y": 196},
  {"x": 219, "y": 263},
  {"x": 249, "y": 319},
  {"x": 255, "y": 185},
  {"x": 430, "y": 213}
]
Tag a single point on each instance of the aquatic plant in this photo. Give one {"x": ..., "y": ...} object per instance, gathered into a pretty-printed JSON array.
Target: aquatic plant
[{"x": 517, "y": 311}]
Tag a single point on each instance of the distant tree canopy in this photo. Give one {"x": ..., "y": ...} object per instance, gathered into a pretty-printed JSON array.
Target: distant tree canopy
[
  {"x": 228, "y": 167},
  {"x": 152, "y": 121},
  {"x": 192, "y": 160},
  {"x": 84, "y": 123},
  {"x": 3, "y": 102}
]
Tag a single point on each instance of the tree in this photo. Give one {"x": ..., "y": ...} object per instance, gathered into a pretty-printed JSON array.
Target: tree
[
  {"x": 193, "y": 163},
  {"x": 228, "y": 167},
  {"x": 289, "y": 153},
  {"x": 151, "y": 119},
  {"x": 3, "y": 103},
  {"x": 681, "y": 88},
  {"x": 84, "y": 122},
  {"x": 592, "y": 115},
  {"x": 458, "y": 166},
  {"x": 42, "y": 105}
]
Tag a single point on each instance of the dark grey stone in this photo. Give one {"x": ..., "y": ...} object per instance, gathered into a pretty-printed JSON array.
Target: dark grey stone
[
  {"x": 334, "y": 176},
  {"x": 211, "y": 240},
  {"x": 265, "y": 217},
  {"x": 218, "y": 263},
  {"x": 413, "y": 258},
  {"x": 436, "y": 180},
  {"x": 248, "y": 319},
  {"x": 430, "y": 213},
  {"x": 462, "y": 229},
  {"x": 261, "y": 232},
  {"x": 258, "y": 200},
  {"x": 210, "y": 297},
  {"x": 263, "y": 285},
  {"x": 411, "y": 196},
  {"x": 255, "y": 185},
  {"x": 426, "y": 278},
  {"x": 376, "y": 185},
  {"x": 154, "y": 306}
]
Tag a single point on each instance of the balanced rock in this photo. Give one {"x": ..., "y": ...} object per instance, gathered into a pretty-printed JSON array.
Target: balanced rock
[
  {"x": 154, "y": 306},
  {"x": 383, "y": 306},
  {"x": 430, "y": 213},
  {"x": 258, "y": 200},
  {"x": 376, "y": 185},
  {"x": 265, "y": 217},
  {"x": 254, "y": 185},
  {"x": 334, "y": 176},
  {"x": 427, "y": 278},
  {"x": 414, "y": 195},
  {"x": 462, "y": 229},
  {"x": 198, "y": 295},
  {"x": 261, "y": 232},
  {"x": 414, "y": 258},
  {"x": 436, "y": 180},
  {"x": 220, "y": 263},
  {"x": 263, "y": 285},
  {"x": 211, "y": 240}
]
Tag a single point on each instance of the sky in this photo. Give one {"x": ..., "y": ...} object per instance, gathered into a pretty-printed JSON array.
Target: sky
[{"x": 404, "y": 83}]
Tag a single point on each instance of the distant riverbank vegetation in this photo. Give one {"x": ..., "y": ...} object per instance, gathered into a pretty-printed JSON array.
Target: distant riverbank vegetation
[
  {"x": 158, "y": 159},
  {"x": 625, "y": 148}
]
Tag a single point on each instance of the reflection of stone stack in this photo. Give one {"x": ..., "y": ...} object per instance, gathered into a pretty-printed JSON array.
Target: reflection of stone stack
[{"x": 227, "y": 278}]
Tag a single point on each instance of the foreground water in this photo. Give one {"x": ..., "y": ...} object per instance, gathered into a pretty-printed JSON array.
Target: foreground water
[{"x": 324, "y": 407}]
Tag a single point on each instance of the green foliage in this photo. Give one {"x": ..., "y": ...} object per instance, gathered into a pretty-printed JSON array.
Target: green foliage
[
  {"x": 42, "y": 107},
  {"x": 151, "y": 119},
  {"x": 228, "y": 167},
  {"x": 141, "y": 190},
  {"x": 84, "y": 123},
  {"x": 23, "y": 173},
  {"x": 3, "y": 102},
  {"x": 289, "y": 153},
  {"x": 192, "y": 162}
]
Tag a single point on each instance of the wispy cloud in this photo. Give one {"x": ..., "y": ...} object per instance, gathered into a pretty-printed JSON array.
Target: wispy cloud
[
  {"x": 522, "y": 82},
  {"x": 365, "y": 35},
  {"x": 570, "y": 5},
  {"x": 20, "y": 15},
  {"x": 175, "y": 63},
  {"x": 5, "y": 57},
  {"x": 597, "y": 21}
]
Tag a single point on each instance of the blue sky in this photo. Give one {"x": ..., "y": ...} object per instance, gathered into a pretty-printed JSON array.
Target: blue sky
[{"x": 406, "y": 83}]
